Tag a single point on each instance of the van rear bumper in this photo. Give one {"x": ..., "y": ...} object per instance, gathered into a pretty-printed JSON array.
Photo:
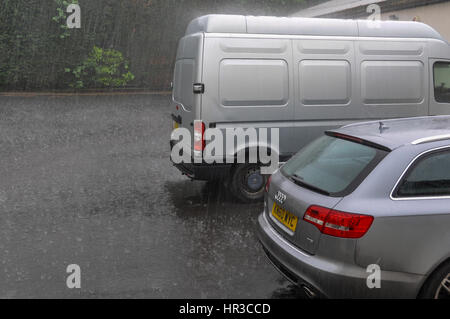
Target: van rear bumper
[{"x": 203, "y": 171}]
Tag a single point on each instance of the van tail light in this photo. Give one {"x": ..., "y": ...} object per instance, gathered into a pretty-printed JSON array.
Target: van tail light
[
  {"x": 268, "y": 183},
  {"x": 338, "y": 224},
  {"x": 199, "y": 135}
]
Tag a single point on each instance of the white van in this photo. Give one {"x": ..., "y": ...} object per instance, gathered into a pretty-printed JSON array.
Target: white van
[{"x": 302, "y": 76}]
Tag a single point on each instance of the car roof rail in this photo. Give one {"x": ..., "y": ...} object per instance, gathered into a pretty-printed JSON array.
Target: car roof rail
[{"x": 430, "y": 139}]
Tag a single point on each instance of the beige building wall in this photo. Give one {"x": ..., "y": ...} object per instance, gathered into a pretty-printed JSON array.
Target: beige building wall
[{"x": 435, "y": 15}]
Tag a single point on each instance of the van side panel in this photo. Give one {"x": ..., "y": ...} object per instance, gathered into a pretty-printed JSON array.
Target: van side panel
[
  {"x": 262, "y": 83},
  {"x": 249, "y": 83},
  {"x": 393, "y": 78},
  {"x": 325, "y": 85},
  {"x": 305, "y": 85},
  {"x": 393, "y": 82},
  {"x": 338, "y": 82}
]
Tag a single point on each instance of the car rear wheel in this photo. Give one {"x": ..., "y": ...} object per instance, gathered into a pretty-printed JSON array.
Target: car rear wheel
[
  {"x": 247, "y": 183},
  {"x": 438, "y": 285},
  {"x": 443, "y": 291}
]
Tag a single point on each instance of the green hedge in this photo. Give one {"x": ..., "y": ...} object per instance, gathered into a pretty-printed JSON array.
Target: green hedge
[{"x": 38, "y": 52}]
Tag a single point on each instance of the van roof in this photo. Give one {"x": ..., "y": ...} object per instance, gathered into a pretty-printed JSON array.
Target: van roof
[
  {"x": 217, "y": 23},
  {"x": 394, "y": 133}
]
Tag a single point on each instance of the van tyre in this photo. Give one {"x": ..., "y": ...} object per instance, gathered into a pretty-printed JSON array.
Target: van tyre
[
  {"x": 438, "y": 285},
  {"x": 247, "y": 183}
]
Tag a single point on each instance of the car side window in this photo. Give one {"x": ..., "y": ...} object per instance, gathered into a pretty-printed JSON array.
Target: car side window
[
  {"x": 441, "y": 72},
  {"x": 429, "y": 176}
]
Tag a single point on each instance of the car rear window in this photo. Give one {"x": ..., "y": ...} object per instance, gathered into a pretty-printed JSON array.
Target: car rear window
[{"x": 332, "y": 166}]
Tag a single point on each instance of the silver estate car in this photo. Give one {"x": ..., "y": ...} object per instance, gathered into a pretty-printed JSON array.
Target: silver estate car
[{"x": 364, "y": 212}]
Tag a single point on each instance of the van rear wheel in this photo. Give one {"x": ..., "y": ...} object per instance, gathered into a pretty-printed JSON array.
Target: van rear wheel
[{"x": 247, "y": 183}]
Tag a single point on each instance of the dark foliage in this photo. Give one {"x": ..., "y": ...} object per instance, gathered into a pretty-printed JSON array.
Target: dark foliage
[{"x": 36, "y": 49}]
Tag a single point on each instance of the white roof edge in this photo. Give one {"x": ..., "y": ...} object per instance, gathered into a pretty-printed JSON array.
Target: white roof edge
[
  {"x": 309, "y": 26},
  {"x": 333, "y": 6}
]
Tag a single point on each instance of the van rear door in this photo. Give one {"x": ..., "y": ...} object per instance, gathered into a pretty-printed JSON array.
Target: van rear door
[{"x": 188, "y": 71}]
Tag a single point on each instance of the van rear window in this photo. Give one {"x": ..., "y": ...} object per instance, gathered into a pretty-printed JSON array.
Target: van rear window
[
  {"x": 183, "y": 81},
  {"x": 332, "y": 166}
]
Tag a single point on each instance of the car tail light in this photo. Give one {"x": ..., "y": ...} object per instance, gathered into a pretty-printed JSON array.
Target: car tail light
[
  {"x": 268, "y": 183},
  {"x": 338, "y": 224},
  {"x": 199, "y": 135}
]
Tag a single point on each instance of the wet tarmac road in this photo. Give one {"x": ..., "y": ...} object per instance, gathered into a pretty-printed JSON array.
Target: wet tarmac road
[{"x": 87, "y": 180}]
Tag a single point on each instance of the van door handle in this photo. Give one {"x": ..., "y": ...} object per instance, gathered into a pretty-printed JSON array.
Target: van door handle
[{"x": 199, "y": 88}]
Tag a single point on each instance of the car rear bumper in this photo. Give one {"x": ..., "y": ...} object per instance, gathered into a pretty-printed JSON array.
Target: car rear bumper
[{"x": 329, "y": 278}]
